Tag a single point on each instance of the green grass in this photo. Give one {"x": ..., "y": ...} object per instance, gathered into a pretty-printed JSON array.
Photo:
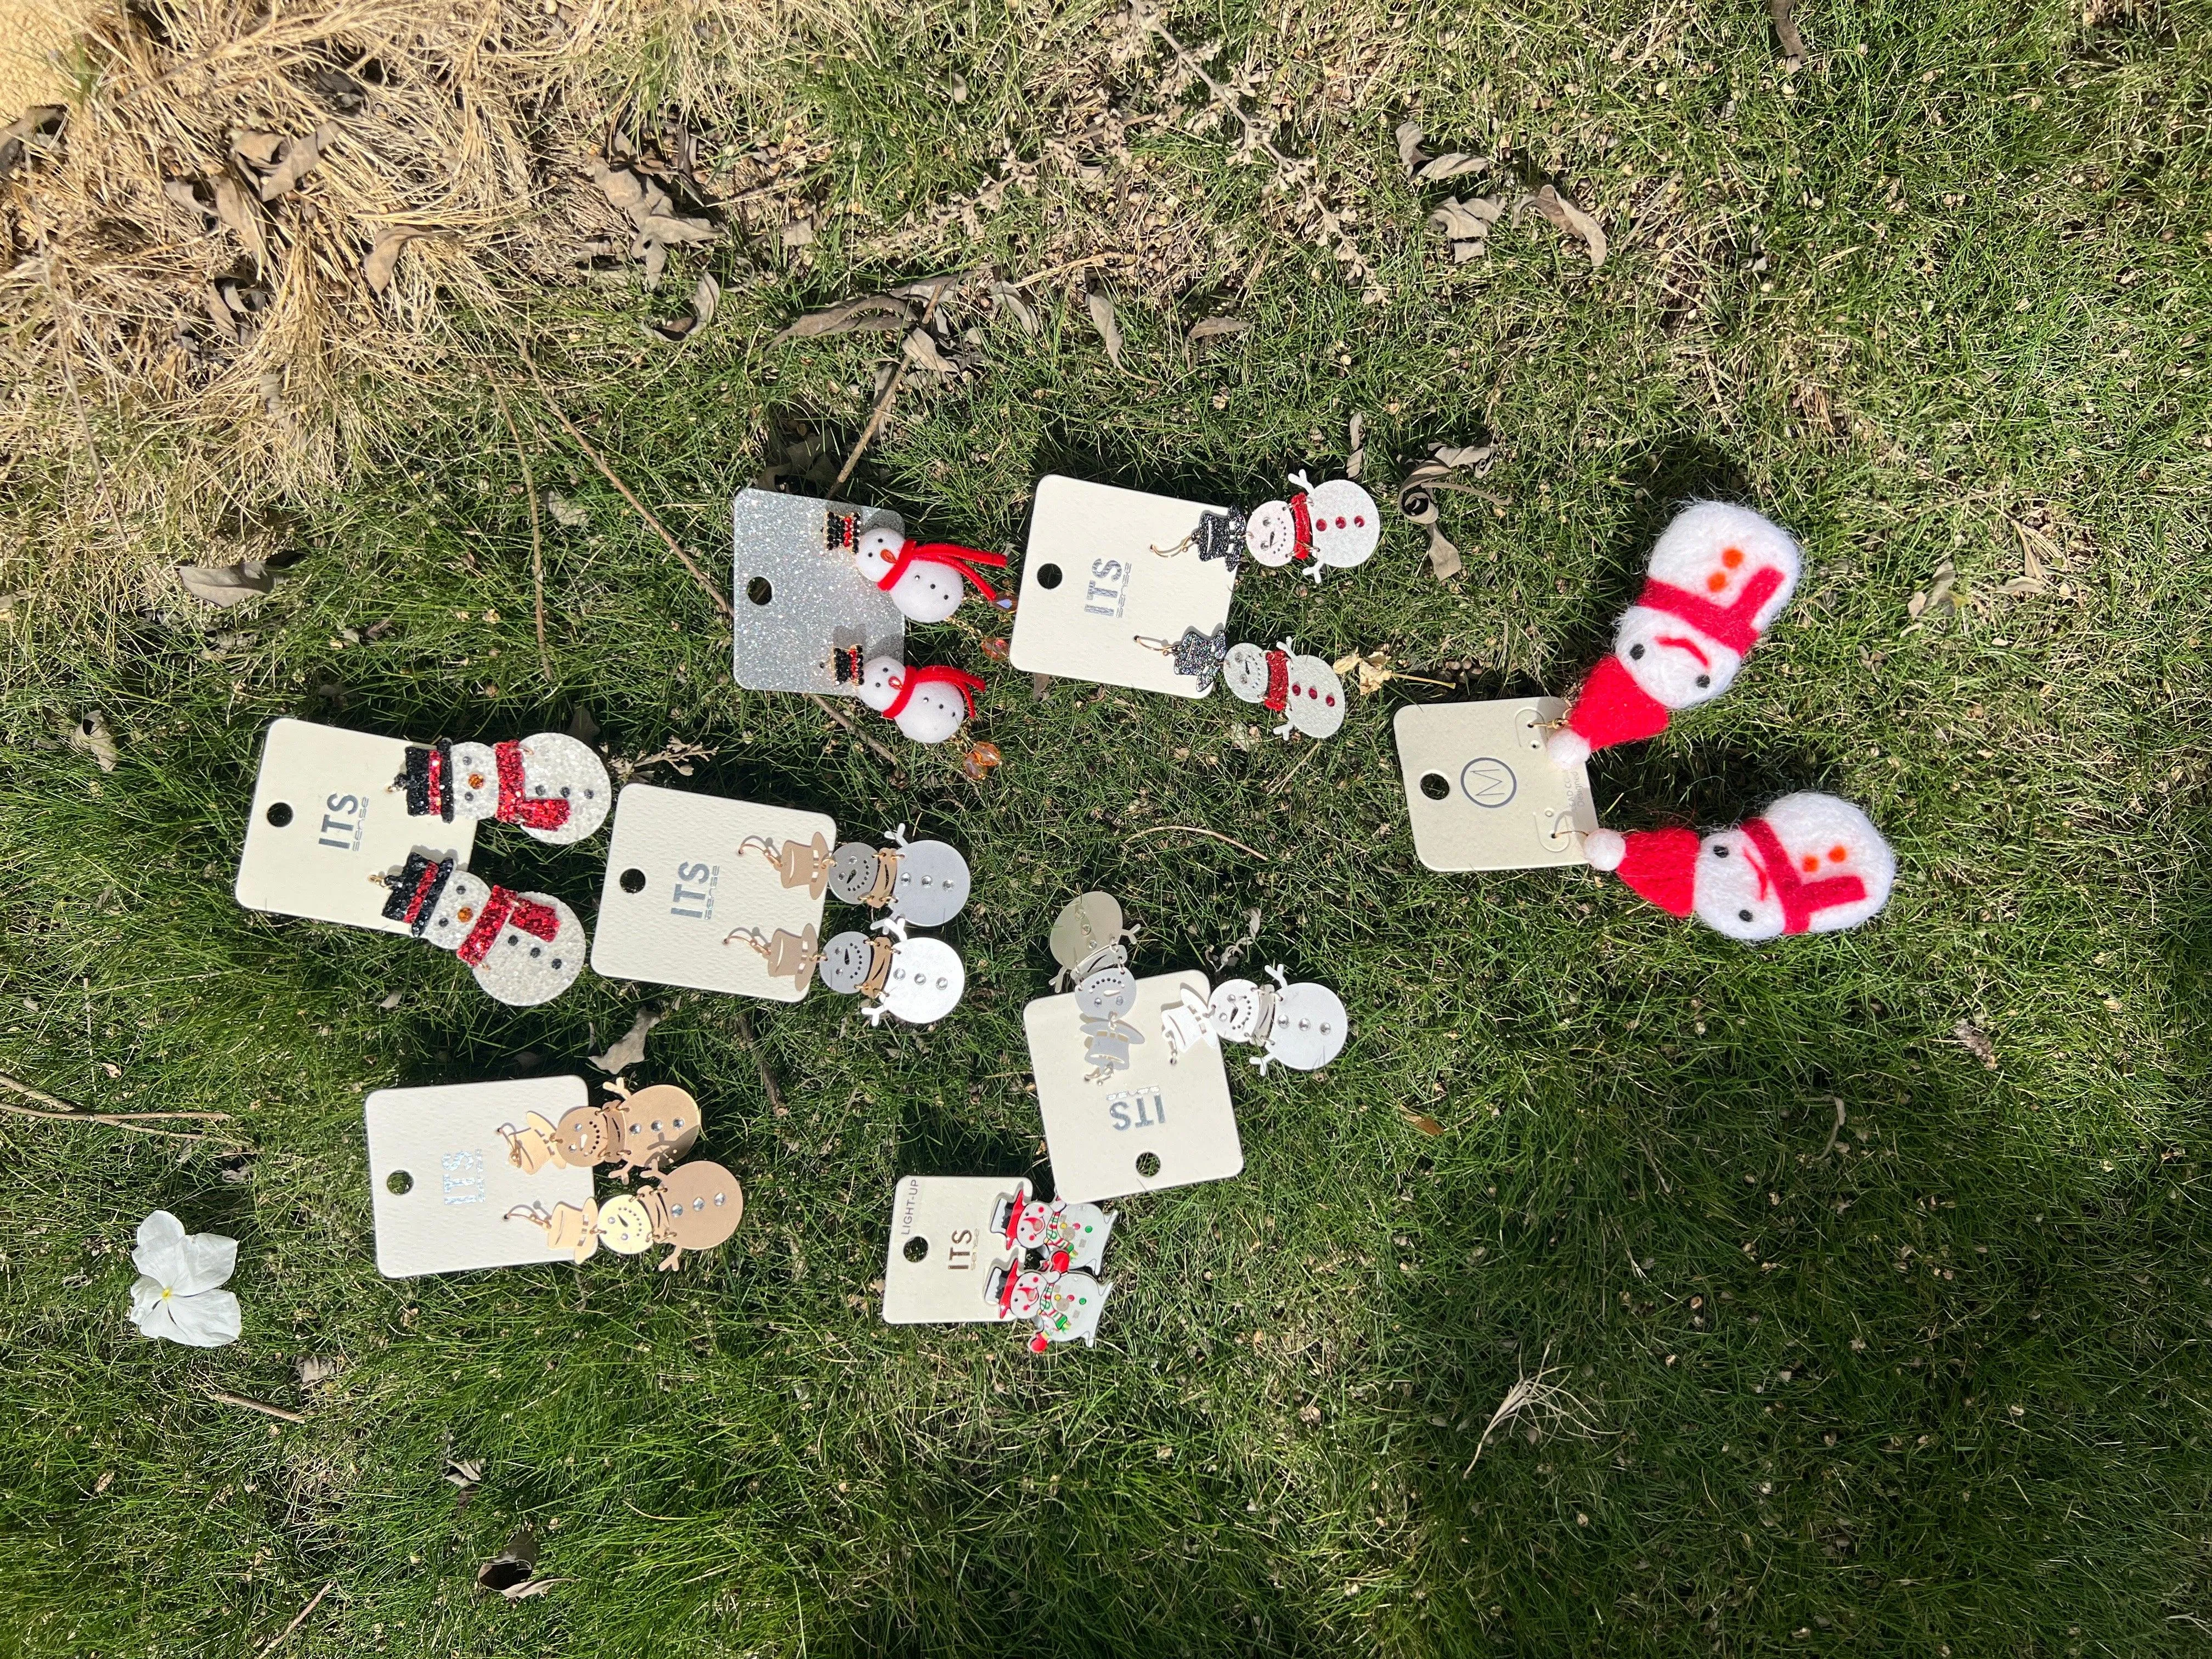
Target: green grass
[{"x": 1939, "y": 1390}]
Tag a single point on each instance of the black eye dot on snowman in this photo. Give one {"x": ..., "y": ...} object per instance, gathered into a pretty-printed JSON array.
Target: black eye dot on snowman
[
  {"x": 1720, "y": 851},
  {"x": 399, "y": 1183},
  {"x": 759, "y": 589},
  {"x": 1743, "y": 916},
  {"x": 633, "y": 881},
  {"x": 1048, "y": 576},
  {"x": 915, "y": 1249},
  {"x": 279, "y": 814},
  {"x": 1436, "y": 786},
  {"x": 1703, "y": 680},
  {"x": 1637, "y": 652}
]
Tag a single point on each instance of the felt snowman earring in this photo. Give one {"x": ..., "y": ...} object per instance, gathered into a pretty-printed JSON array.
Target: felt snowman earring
[
  {"x": 926, "y": 704},
  {"x": 550, "y": 785},
  {"x": 918, "y": 981},
  {"x": 524, "y": 948},
  {"x": 1304, "y": 691},
  {"x": 1808, "y": 864},
  {"x": 1332, "y": 524},
  {"x": 1719, "y": 575},
  {"x": 927, "y": 581}
]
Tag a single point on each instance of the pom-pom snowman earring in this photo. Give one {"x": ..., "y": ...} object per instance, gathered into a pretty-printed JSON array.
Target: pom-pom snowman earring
[
  {"x": 524, "y": 948},
  {"x": 926, "y": 704},
  {"x": 1808, "y": 864},
  {"x": 926, "y": 579},
  {"x": 550, "y": 785},
  {"x": 1332, "y": 524},
  {"x": 1719, "y": 576}
]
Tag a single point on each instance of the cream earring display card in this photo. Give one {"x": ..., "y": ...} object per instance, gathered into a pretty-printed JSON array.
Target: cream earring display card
[
  {"x": 1481, "y": 790},
  {"x": 327, "y": 824},
  {"x": 442, "y": 1178},
  {"x": 943, "y": 1248},
  {"x": 799, "y": 596},
  {"x": 1108, "y": 573},
  {"x": 714, "y": 894},
  {"x": 1129, "y": 1105}
]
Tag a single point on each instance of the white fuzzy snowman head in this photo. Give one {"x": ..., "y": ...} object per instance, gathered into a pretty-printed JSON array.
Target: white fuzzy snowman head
[
  {"x": 925, "y": 980},
  {"x": 476, "y": 780},
  {"x": 1346, "y": 527},
  {"x": 1309, "y": 1028},
  {"x": 882, "y": 678},
  {"x": 845, "y": 963},
  {"x": 877, "y": 550},
  {"x": 460, "y": 901},
  {"x": 1235, "y": 1009},
  {"x": 1737, "y": 570}
]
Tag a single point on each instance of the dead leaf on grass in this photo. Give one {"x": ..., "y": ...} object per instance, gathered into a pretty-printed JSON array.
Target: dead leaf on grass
[
  {"x": 383, "y": 258},
  {"x": 226, "y": 584},
  {"x": 318, "y": 1368},
  {"x": 872, "y": 313},
  {"x": 620, "y": 1056},
  {"x": 1465, "y": 226},
  {"x": 15, "y": 138},
  {"x": 1423, "y": 1122},
  {"x": 569, "y": 515},
  {"x": 513, "y": 1569},
  {"x": 1356, "y": 444},
  {"x": 922, "y": 350},
  {"x": 1417, "y": 496},
  {"x": 1100, "y": 304},
  {"x": 281, "y": 162},
  {"x": 1215, "y": 328},
  {"x": 799, "y": 234},
  {"x": 1006, "y": 295},
  {"x": 705, "y": 298},
  {"x": 1939, "y": 597},
  {"x": 89, "y": 733},
  {"x": 242, "y": 217},
  {"x": 1568, "y": 218},
  {"x": 389, "y": 1003},
  {"x": 1976, "y": 1042},
  {"x": 1426, "y": 169}
]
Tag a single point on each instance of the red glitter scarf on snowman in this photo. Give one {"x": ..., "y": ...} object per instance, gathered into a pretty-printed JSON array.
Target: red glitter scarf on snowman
[
  {"x": 962, "y": 559},
  {"x": 507, "y": 909}
]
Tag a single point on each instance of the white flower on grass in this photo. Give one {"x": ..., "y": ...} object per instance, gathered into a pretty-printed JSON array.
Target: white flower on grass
[{"x": 177, "y": 1296}]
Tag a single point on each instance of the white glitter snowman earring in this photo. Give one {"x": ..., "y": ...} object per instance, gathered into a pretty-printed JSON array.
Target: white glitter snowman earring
[
  {"x": 1304, "y": 691},
  {"x": 1335, "y": 523},
  {"x": 549, "y": 785},
  {"x": 524, "y": 948}
]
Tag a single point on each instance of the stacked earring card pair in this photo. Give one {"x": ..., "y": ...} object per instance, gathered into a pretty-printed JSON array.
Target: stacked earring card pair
[{"x": 699, "y": 891}]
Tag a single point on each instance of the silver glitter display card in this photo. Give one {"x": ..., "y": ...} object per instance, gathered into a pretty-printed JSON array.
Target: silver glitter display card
[
  {"x": 798, "y": 598},
  {"x": 1482, "y": 792}
]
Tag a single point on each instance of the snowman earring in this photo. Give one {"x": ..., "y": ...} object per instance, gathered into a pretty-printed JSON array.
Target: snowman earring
[
  {"x": 1060, "y": 1307},
  {"x": 694, "y": 1207},
  {"x": 926, "y": 704},
  {"x": 918, "y": 981},
  {"x": 927, "y": 581},
  {"x": 1091, "y": 944},
  {"x": 550, "y": 785},
  {"x": 923, "y": 881},
  {"x": 1069, "y": 1236},
  {"x": 646, "y": 1131},
  {"x": 1335, "y": 523},
  {"x": 1302, "y": 1026},
  {"x": 1719, "y": 576},
  {"x": 1808, "y": 864},
  {"x": 1304, "y": 691},
  {"x": 524, "y": 948}
]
